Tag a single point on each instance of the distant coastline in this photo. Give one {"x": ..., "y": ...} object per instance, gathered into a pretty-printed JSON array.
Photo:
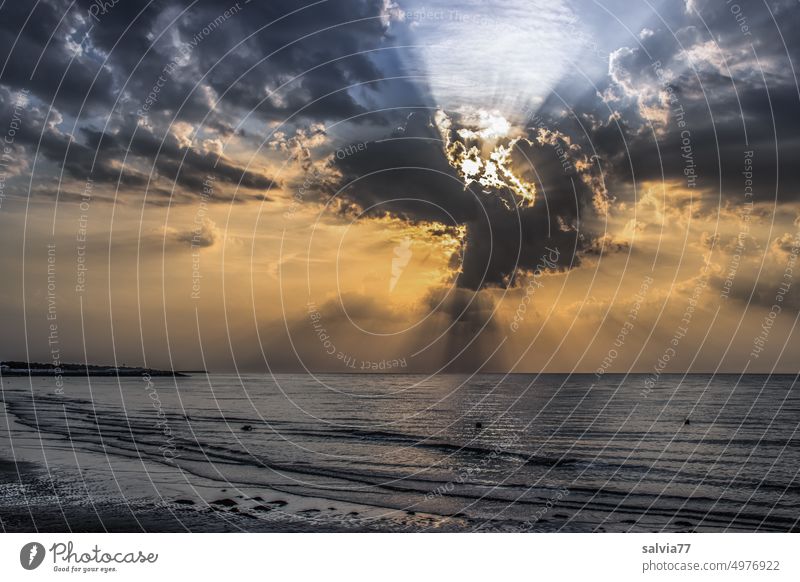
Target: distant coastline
[{"x": 13, "y": 368}]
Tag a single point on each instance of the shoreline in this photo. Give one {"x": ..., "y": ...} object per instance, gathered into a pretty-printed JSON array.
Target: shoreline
[
  {"x": 96, "y": 373},
  {"x": 62, "y": 370}
]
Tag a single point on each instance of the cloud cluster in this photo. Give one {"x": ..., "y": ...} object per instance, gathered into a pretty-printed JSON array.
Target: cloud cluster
[{"x": 109, "y": 87}]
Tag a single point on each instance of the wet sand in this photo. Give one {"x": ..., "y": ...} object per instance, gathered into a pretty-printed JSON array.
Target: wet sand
[{"x": 31, "y": 502}]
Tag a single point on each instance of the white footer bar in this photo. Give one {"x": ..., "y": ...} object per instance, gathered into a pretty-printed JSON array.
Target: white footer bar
[{"x": 400, "y": 557}]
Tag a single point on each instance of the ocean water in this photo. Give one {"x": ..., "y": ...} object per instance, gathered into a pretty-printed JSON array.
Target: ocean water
[{"x": 411, "y": 453}]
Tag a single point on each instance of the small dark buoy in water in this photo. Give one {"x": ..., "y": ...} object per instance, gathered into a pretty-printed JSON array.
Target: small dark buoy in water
[
  {"x": 478, "y": 425},
  {"x": 247, "y": 428},
  {"x": 686, "y": 421}
]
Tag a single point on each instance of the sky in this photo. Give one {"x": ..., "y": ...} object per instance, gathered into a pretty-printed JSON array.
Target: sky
[{"x": 381, "y": 186}]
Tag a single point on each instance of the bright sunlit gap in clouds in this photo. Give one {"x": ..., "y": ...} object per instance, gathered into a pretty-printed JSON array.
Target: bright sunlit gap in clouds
[{"x": 488, "y": 67}]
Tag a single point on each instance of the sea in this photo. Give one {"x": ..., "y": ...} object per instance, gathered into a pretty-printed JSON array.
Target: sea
[{"x": 398, "y": 452}]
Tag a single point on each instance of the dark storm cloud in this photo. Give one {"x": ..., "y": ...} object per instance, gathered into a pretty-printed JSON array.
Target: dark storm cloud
[
  {"x": 188, "y": 166},
  {"x": 243, "y": 51},
  {"x": 407, "y": 175},
  {"x": 172, "y": 61},
  {"x": 39, "y": 45},
  {"x": 98, "y": 155},
  {"x": 38, "y": 135},
  {"x": 722, "y": 93}
]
